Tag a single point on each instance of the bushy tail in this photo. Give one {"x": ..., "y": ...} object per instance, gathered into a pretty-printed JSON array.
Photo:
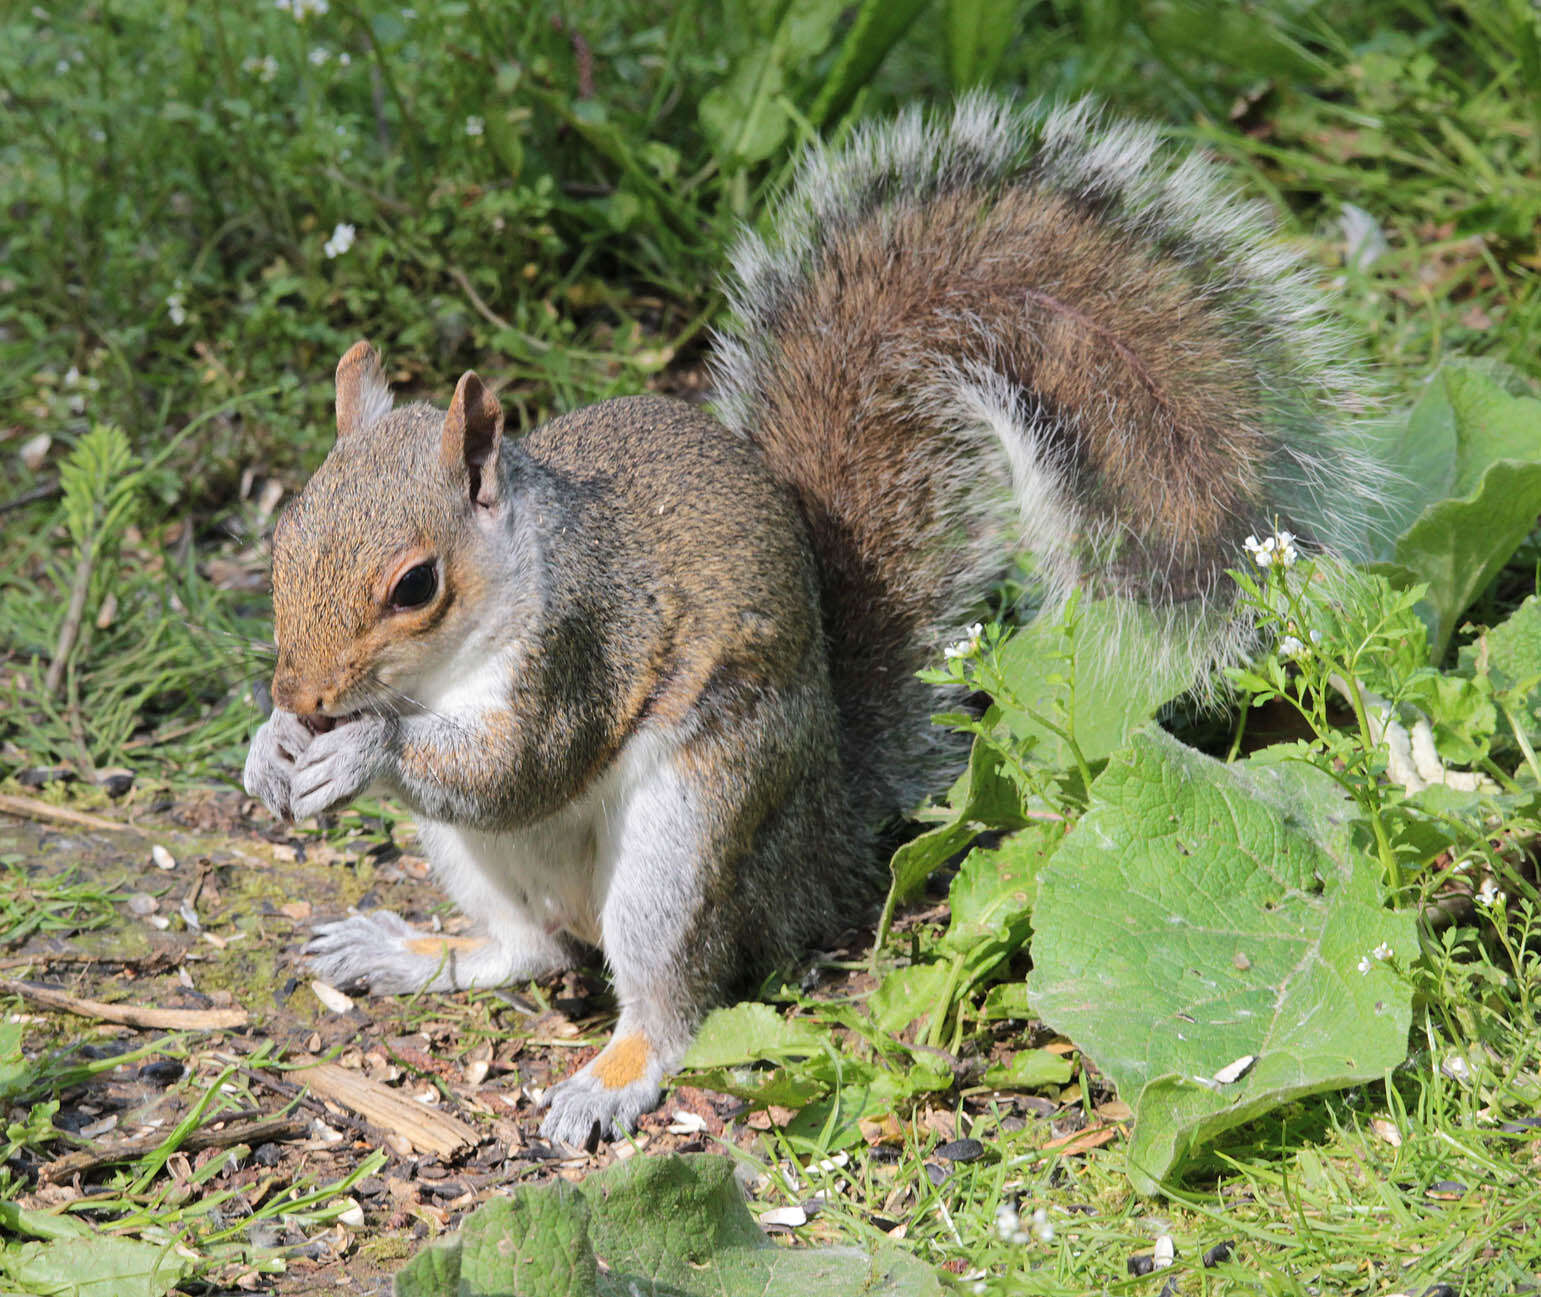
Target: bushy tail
[{"x": 1030, "y": 330}]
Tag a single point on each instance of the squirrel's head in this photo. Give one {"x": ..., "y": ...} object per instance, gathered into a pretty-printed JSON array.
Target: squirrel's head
[{"x": 388, "y": 549}]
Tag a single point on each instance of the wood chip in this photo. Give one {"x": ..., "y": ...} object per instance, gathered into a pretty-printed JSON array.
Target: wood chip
[
  {"x": 331, "y": 997},
  {"x": 127, "y": 1015},
  {"x": 428, "y": 1130},
  {"x": 1083, "y": 1141}
]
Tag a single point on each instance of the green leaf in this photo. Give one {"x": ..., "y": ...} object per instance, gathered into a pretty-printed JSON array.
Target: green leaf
[
  {"x": 1102, "y": 698},
  {"x": 877, "y": 26},
  {"x": 978, "y": 32},
  {"x": 1509, "y": 656},
  {"x": 908, "y": 995},
  {"x": 1230, "y": 906},
  {"x": 1457, "y": 545},
  {"x": 1029, "y": 1069},
  {"x": 99, "y": 1266},
  {"x": 752, "y": 1033},
  {"x": 746, "y": 117},
  {"x": 664, "y": 1226},
  {"x": 983, "y": 798}
]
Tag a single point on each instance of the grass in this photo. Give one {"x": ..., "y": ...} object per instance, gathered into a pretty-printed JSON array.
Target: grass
[{"x": 548, "y": 198}]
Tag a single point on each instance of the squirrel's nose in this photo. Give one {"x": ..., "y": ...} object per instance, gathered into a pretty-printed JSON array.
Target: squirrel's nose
[{"x": 294, "y": 696}]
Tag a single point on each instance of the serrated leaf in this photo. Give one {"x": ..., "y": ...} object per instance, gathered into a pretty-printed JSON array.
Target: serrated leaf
[
  {"x": 1230, "y": 906},
  {"x": 664, "y": 1226},
  {"x": 983, "y": 798},
  {"x": 750, "y": 1033}
]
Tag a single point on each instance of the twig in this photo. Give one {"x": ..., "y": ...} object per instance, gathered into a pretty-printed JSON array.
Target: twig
[
  {"x": 482, "y": 309},
  {"x": 30, "y": 808},
  {"x": 44, "y": 492},
  {"x": 265, "y": 1130},
  {"x": 127, "y": 1015}
]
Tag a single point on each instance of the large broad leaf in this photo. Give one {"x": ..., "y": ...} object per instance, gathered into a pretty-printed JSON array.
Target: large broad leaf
[
  {"x": 1200, "y": 914},
  {"x": 100, "y": 1266},
  {"x": 1475, "y": 459},
  {"x": 646, "y": 1227}
]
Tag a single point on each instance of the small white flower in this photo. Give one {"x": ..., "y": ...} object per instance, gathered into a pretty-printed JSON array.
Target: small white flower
[
  {"x": 1488, "y": 894},
  {"x": 1291, "y": 647},
  {"x": 1365, "y": 965},
  {"x": 72, "y": 376},
  {"x": 342, "y": 239},
  {"x": 264, "y": 69},
  {"x": 1043, "y": 1230},
  {"x": 408, "y": 15},
  {"x": 62, "y": 67},
  {"x": 281, "y": 5},
  {"x": 175, "y": 307},
  {"x": 1316, "y": 637},
  {"x": 318, "y": 56},
  {"x": 475, "y": 126},
  {"x": 1383, "y": 951},
  {"x": 1008, "y": 1224}
]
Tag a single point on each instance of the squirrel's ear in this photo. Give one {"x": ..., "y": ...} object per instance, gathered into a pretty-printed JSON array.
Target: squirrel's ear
[
  {"x": 473, "y": 432},
  {"x": 363, "y": 395}
]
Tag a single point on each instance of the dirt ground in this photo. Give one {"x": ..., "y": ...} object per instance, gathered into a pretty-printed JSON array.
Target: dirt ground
[{"x": 214, "y": 920}]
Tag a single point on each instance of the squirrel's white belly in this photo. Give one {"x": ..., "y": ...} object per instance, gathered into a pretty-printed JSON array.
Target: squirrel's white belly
[{"x": 554, "y": 875}]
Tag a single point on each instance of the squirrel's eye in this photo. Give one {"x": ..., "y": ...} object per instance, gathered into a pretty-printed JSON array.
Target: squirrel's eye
[{"x": 416, "y": 587}]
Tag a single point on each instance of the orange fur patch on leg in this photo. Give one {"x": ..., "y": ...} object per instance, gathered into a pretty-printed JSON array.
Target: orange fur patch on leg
[
  {"x": 622, "y": 1061},
  {"x": 438, "y": 947}
]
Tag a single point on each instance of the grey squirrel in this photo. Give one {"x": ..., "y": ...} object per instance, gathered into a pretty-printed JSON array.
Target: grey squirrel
[{"x": 646, "y": 677}]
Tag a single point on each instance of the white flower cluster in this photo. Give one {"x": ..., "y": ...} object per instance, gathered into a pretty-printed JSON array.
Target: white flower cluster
[
  {"x": 302, "y": 9},
  {"x": 475, "y": 126},
  {"x": 1277, "y": 550},
  {"x": 1292, "y": 646},
  {"x": 342, "y": 239},
  {"x": 965, "y": 648},
  {"x": 1008, "y": 1224},
  {"x": 264, "y": 69},
  {"x": 1381, "y": 952},
  {"x": 176, "y": 308}
]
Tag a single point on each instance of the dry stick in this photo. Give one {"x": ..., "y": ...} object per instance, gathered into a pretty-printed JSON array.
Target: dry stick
[
  {"x": 71, "y": 628},
  {"x": 266, "y": 1130},
  {"x": 30, "y": 808},
  {"x": 127, "y": 1015}
]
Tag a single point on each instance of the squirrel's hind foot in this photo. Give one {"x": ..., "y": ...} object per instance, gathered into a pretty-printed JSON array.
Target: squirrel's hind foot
[{"x": 386, "y": 954}]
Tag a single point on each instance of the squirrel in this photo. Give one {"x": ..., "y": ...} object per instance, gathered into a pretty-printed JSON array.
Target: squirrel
[{"x": 646, "y": 676}]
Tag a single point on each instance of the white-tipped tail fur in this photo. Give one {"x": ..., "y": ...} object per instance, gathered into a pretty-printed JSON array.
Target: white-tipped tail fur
[{"x": 1113, "y": 365}]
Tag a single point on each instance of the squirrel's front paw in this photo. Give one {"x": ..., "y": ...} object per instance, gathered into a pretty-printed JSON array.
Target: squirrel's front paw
[
  {"x": 604, "y": 1099},
  {"x": 275, "y": 747},
  {"x": 339, "y": 764}
]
